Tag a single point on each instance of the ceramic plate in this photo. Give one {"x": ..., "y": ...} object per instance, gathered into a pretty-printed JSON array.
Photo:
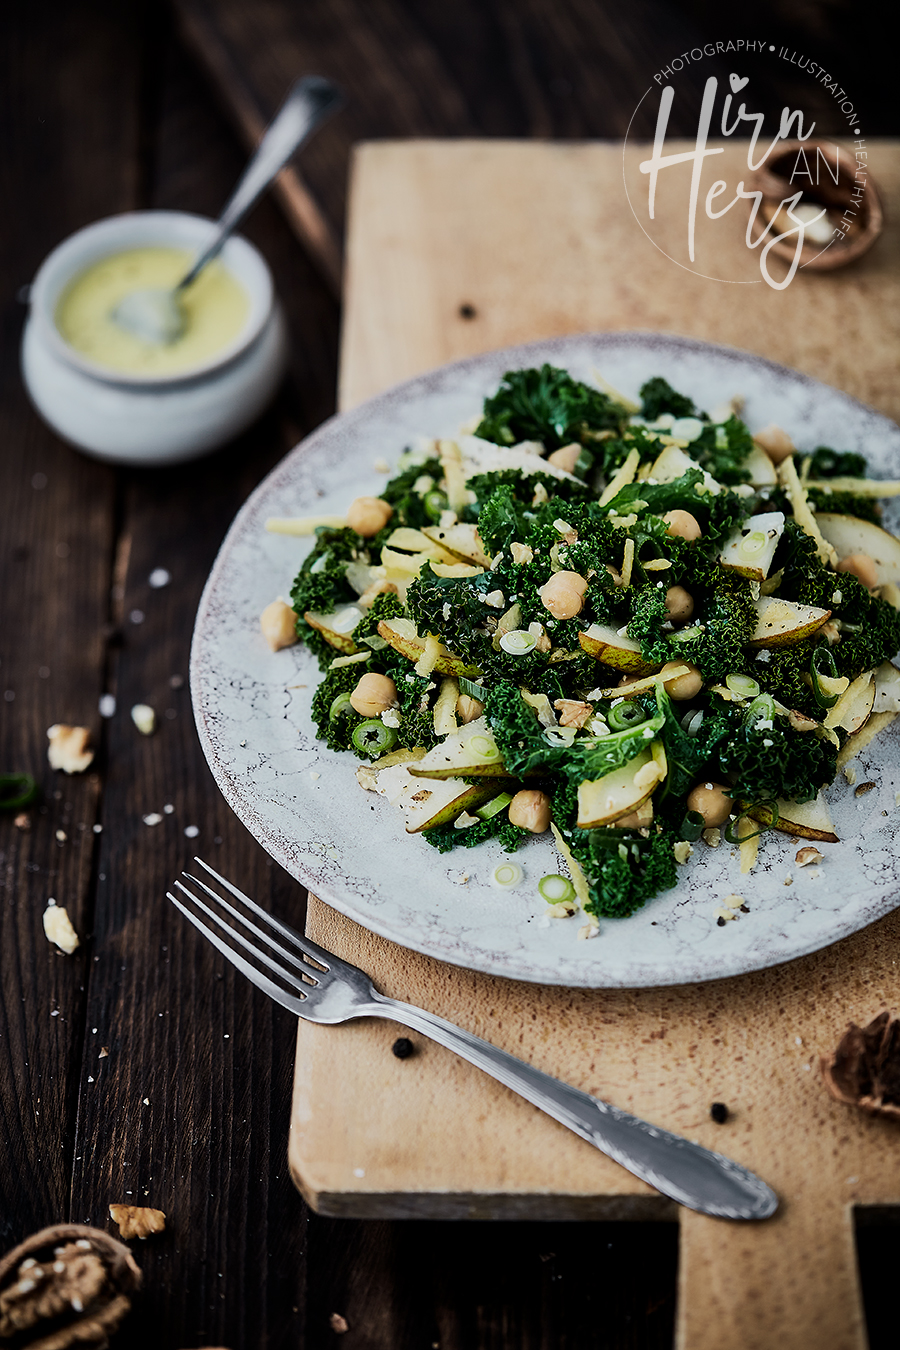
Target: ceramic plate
[{"x": 302, "y": 802}]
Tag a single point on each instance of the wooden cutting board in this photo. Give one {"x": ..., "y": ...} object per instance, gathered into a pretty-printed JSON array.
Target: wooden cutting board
[{"x": 539, "y": 240}]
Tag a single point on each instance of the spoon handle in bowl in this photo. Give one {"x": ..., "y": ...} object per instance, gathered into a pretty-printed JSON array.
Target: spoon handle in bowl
[{"x": 309, "y": 102}]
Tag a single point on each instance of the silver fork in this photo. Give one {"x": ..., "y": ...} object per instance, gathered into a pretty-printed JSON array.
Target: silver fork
[{"x": 319, "y": 987}]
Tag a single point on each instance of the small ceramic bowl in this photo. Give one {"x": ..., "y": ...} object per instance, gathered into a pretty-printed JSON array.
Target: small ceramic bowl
[
  {"x": 826, "y": 180},
  {"x": 152, "y": 419}
]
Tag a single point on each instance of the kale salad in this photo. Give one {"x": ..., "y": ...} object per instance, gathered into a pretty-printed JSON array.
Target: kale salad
[{"x": 636, "y": 625}]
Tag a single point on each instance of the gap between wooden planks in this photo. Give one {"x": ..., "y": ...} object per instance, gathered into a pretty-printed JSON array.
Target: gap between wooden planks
[{"x": 540, "y": 240}]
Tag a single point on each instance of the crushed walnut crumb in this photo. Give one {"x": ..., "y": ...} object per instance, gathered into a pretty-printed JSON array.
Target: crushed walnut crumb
[{"x": 137, "y": 1221}]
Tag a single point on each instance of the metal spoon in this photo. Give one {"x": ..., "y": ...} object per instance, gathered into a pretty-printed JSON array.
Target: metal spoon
[{"x": 157, "y": 315}]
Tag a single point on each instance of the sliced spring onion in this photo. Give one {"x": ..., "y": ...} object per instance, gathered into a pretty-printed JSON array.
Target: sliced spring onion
[
  {"x": 435, "y": 502},
  {"x": 742, "y": 685},
  {"x": 483, "y": 747},
  {"x": 518, "y": 642},
  {"x": 16, "y": 791},
  {"x": 375, "y": 642},
  {"x": 494, "y": 806},
  {"x": 692, "y": 826},
  {"x": 686, "y": 634},
  {"x": 471, "y": 688},
  {"x": 625, "y": 716},
  {"x": 693, "y": 721},
  {"x": 556, "y": 889},
  {"x": 762, "y": 709},
  {"x": 731, "y": 829},
  {"x": 373, "y": 738},
  {"x": 823, "y": 663},
  {"x": 340, "y": 706},
  {"x": 507, "y": 874}
]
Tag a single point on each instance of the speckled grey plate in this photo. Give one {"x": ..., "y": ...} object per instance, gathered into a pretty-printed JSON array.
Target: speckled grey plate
[{"x": 304, "y": 806}]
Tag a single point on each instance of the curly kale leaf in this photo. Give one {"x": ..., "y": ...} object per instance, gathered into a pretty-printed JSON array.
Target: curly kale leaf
[
  {"x": 724, "y": 461},
  {"x": 827, "y": 463},
  {"x": 728, "y": 615},
  {"x": 845, "y": 504},
  {"x": 624, "y": 870},
  {"x": 337, "y": 731},
  {"x": 546, "y": 405},
  {"x": 658, "y": 396},
  {"x": 772, "y": 760},
  {"x": 498, "y": 521},
  {"x": 499, "y": 827},
  {"x": 409, "y": 505},
  {"x": 519, "y": 734},
  {"x": 321, "y": 585},
  {"x": 523, "y": 487},
  {"x": 416, "y": 709},
  {"x": 718, "y": 513}
]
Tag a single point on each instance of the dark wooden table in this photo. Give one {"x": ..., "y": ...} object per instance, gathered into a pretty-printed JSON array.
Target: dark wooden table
[{"x": 103, "y": 109}]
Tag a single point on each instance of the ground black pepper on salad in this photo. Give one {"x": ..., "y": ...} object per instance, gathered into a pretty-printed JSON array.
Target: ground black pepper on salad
[{"x": 637, "y": 625}]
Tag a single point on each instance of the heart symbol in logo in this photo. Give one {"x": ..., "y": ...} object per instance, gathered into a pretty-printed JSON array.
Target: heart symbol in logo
[{"x": 736, "y": 84}]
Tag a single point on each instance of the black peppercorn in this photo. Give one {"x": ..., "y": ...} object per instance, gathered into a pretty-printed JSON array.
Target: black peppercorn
[
  {"x": 719, "y": 1112},
  {"x": 403, "y": 1047},
  {"x": 467, "y": 311}
]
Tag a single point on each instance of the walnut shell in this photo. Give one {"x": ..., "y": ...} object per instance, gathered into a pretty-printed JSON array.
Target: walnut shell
[
  {"x": 864, "y": 1070},
  {"x": 66, "y": 1285}
]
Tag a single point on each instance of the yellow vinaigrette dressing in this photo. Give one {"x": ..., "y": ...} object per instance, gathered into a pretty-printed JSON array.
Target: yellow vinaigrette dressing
[{"x": 215, "y": 307}]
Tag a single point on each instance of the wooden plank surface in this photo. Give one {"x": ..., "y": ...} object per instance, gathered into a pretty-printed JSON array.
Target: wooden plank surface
[{"x": 434, "y": 226}]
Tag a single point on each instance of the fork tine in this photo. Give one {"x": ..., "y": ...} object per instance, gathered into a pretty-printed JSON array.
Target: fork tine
[
  {"x": 300, "y": 964},
  {"x": 294, "y": 1005},
  {"x": 287, "y": 975},
  {"x": 327, "y": 959}
]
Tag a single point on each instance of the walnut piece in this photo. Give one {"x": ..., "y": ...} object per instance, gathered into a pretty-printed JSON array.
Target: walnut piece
[
  {"x": 68, "y": 749},
  {"x": 864, "y": 1070},
  {"x": 809, "y": 854},
  {"x": 67, "y": 1285},
  {"x": 136, "y": 1221},
  {"x": 58, "y": 927}
]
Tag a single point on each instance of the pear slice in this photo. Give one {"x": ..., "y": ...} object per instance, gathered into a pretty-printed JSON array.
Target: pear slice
[
  {"x": 750, "y": 549},
  {"x": 603, "y": 801},
  {"x": 887, "y": 688},
  {"x": 848, "y": 535},
  {"x": 461, "y": 539},
  {"x": 781, "y": 623},
  {"x": 759, "y": 468},
  {"x": 807, "y": 820},
  {"x": 427, "y": 805},
  {"x": 471, "y": 751},
  {"x": 622, "y": 653},
  {"x": 336, "y": 628},
  {"x": 402, "y": 635}
]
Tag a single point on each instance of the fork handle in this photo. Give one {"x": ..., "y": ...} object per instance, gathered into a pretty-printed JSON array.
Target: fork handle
[{"x": 692, "y": 1175}]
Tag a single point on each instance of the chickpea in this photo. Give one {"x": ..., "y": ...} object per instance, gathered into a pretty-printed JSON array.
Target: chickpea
[
  {"x": 530, "y": 810},
  {"x": 679, "y": 604},
  {"x": 566, "y": 457},
  {"x": 368, "y": 515},
  {"x": 683, "y": 686},
  {"x": 861, "y": 566},
  {"x": 468, "y": 709},
  {"x": 776, "y": 443},
  {"x": 563, "y": 594},
  {"x": 373, "y": 695},
  {"x": 682, "y": 524},
  {"x": 712, "y": 802},
  {"x": 279, "y": 625}
]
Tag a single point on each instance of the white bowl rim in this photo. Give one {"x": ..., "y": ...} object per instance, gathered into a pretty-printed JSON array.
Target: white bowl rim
[{"x": 131, "y": 229}]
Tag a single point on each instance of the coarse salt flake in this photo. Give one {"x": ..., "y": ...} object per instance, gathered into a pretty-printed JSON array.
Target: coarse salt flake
[{"x": 154, "y": 818}]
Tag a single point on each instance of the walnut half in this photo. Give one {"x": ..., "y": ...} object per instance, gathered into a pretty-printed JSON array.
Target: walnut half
[
  {"x": 864, "y": 1070},
  {"x": 66, "y": 1285}
]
